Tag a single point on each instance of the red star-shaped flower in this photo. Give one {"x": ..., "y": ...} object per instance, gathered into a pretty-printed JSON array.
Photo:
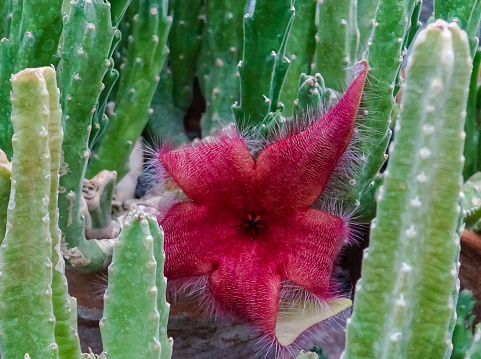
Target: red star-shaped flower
[{"x": 249, "y": 224}]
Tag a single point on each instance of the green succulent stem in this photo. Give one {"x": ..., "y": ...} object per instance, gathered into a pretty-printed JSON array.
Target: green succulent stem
[
  {"x": 410, "y": 268},
  {"x": 25, "y": 283}
]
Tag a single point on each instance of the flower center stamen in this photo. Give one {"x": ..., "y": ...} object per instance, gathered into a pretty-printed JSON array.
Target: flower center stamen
[{"x": 253, "y": 223}]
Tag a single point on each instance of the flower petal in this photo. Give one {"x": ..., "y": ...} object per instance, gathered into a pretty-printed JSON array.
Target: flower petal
[
  {"x": 194, "y": 239},
  {"x": 248, "y": 284},
  {"x": 212, "y": 173},
  {"x": 311, "y": 242},
  {"x": 295, "y": 170}
]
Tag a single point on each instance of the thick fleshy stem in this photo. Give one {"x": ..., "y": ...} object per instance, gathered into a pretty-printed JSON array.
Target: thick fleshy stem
[
  {"x": 471, "y": 126},
  {"x": 466, "y": 13},
  {"x": 5, "y": 174},
  {"x": 300, "y": 51},
  {"x": 167, "y": 120},
  {"x": 85, "y": 49},
  {"x": 264, "y": 65},
  {"x": 385, "y": 54},
  {"x": 27, "y": 320},
  {"x": 184, "y": 44},
  {"x": 337, "y": 41},
  {"x": 139, "y": 77},
  {"x": 64, "y": 305},
  {"x": 475, "y": 351},
  {"x": 463, "y": 330},
  {"x": 30, "y": 41},
  {"x": 218, "y": 60},
  {"x": 130, "y": 325},
  {"x": 366, "y": 12},
  {"x": 408, "y": 260}
]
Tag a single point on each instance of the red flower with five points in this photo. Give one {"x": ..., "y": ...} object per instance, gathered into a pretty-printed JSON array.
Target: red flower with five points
[{"x": 249, "y": 224}]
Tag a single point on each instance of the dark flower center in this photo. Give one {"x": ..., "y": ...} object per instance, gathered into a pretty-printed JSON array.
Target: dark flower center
[{"x": 253, "y": 223}]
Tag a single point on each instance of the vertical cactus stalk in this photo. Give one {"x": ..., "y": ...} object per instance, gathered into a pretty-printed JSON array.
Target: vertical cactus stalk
[
  {"x": 161, "y": 282},
  {"x": 35, "y": 27},
  {"x": 85, "y": 49},
  {"x": 26, "y": 314},
  {"x": 337, "y": 41},
  {"x": 139, "y": 77},
  {"x": 475, "y": 351},
  {"x": 130, "y": 326},
  {"x": 64, "y": 306},
  {"x": 264, "y": 65},
  {"x": 404, "y": 302},
  {"x": 221, "y": 52},
  {"x": 167, "y": 120},
  {"x": 471, "y": 126},
  {"x": 184, "y": 44},
  {"x": 466, "y": 13},
  {"x": 366, "y": 12},
  {"x": 300, "y": 51},
  {"x": 385, "y": 54},
  {"x": 5, "y": 174}
]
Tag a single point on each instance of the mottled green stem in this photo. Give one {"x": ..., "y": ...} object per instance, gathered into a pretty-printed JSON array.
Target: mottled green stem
[
  {"x": 5, "y": 174},
  {"x": 475, "y": 351},
  {"x": 139, "y": 77},
  {"x": 26, "y": 314},
  {"x": 35, "y": 27},
  {"x": 466, "y": 13},
  {"x": 64, "y": 305},
  {"x": 300, "y": 51},
  {"x": 167, "y": 120},
  {"x": 161, "y": 282},
  {"x": 130, "y": 325},
  {"x": 366, "y": 12},
  {"x": 410, "y": 269},
  {"x": 184, "y": 44},
  {"x": 385, "y": 54},
  {"x": 221, "y": 52},
  {"x": 337, "y": 41},
  {"x": 463, "y": 330},
  {"x": 471, "y": 126},
  {"x": 263, "y": 66},
  {"x": 85, "y": 50}
]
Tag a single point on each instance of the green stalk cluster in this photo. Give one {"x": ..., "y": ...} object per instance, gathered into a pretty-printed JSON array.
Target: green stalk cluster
[
  {"x": 29, "y": 32},
  {"x": 405, "y": 301},
  {"x": 300, "y": 52},
  {"x": 463, "y": 329},
  {"x": 337, "y": 41},
  {"x": 85, "y": 51},
  {"x": 5, "y": 174},
  {"x": 217, "y": 64},
  {"x": 263, "y": 66},
  {"x": 135, "y": 310},
  {"x": 36, "y": 316},
  {"x": 147, "y": 52}
]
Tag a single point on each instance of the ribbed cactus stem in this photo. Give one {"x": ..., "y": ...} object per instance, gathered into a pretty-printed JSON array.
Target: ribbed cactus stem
[
  {"x": 161, "y": 282},
  {"x": 85, "y": 49},
  {"x": 385, "y": 55},
  {"x": 184, "y": 44},
  {"x": 466, "y": 13},
  {"x": 147, "y": 52},
  {"x": 337, "y": 41},
  {"x": 5, "y": 174},
  {"x": 366, "y": 12},
  {"x": 300, "y": 51},
  {"x": 475, "y": 351},
  {"x": 26, "y": 314},
  {"x": 313, "y": 96},
  {"x": 264, "y": 65},
  {"x": 404, "y": 302},
  {"x": 130, "y": 326},
  {"x": 35, "y": 27},
  {"x": 218, "y": 60}
]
